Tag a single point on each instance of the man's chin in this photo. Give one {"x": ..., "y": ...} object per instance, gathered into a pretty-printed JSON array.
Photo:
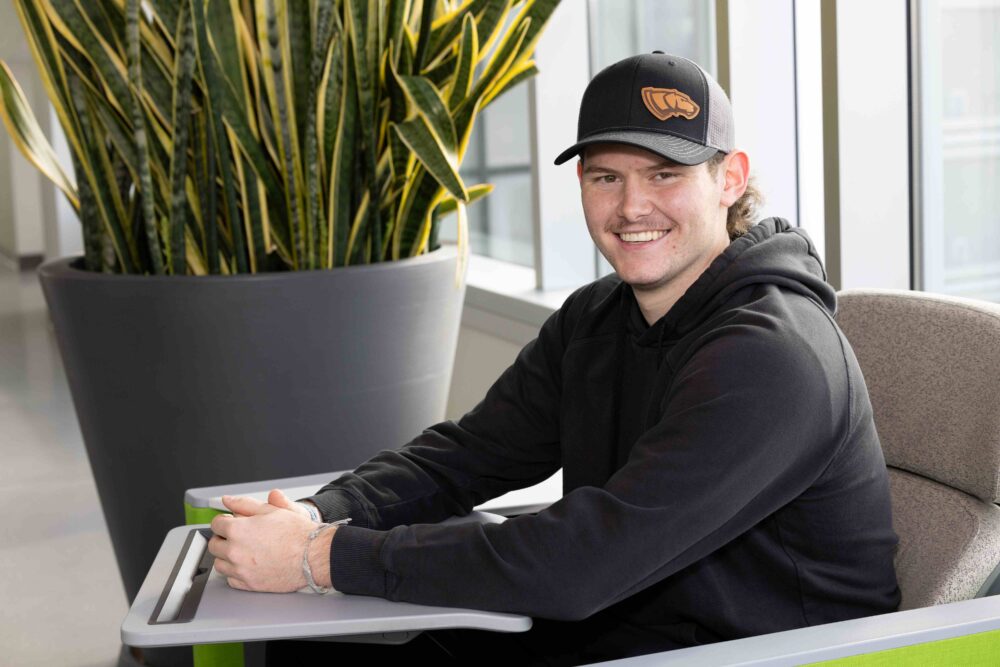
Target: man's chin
[{"x": 642, "y": 283}]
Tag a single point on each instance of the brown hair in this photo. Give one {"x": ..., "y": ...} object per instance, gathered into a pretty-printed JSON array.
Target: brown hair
[{"x": 743, "y": 214}]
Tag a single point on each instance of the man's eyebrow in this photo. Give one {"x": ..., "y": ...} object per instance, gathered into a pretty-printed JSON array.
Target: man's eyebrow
[
  {"x": 665, "y": 164},
  {"x": 592, "y": 168}
]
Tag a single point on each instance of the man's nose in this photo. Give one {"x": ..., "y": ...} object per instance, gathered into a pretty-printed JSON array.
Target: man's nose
[{"x": 635, "y": 202}]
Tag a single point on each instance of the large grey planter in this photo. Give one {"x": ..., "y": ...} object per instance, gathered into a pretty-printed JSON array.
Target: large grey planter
[{"x": 182, "y": 382}]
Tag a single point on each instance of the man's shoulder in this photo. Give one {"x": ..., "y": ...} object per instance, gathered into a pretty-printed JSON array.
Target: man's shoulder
[
  {"x": 776, "y": 333},
  {"x": 775, "y": 311}
]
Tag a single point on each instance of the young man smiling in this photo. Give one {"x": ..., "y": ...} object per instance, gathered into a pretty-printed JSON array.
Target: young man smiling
[
  {"x": 658, "y": 223},
  {"x": 722, "y": 473}
]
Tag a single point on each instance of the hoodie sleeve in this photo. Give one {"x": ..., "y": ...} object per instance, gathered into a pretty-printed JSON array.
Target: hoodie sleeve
[
  {"x": 749, "y": 422},
  {"x": 510, "y": 440}
]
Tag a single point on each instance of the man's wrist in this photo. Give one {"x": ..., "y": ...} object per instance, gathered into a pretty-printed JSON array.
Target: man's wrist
[
  {"x": 314, "y": 513},
  {"x": 319, "y": 557}
]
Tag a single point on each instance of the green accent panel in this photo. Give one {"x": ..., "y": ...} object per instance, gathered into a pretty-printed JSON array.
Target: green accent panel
[
  {"x": 218, "y": 655},
  {"x": 982, "y": 648},
  {"x": 212, "y": 655},
  {"x": 193, "y": 515}
]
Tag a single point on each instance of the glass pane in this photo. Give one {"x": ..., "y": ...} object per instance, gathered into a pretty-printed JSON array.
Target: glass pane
[
  {"x": 505, "y": 123},
  {"x": 472, "y": 157},
  {"x": 499, "y": 141},
  {"x": 623, "y": 28},
  {"x": 613, "y": 33},
  {"x": 499, "y": 225},
  {"x": 684, "y": 27},
  {"x": 509, "y": 219},
  {"x": 960, "y": 147},
  {"x": 499, "y": 154}
]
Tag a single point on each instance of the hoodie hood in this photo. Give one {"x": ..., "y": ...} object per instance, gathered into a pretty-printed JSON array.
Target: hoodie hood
[{"x": 771, "y": 252}]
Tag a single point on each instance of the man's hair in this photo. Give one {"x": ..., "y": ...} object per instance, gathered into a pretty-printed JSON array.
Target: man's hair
[{"x": 743, "y": 214}]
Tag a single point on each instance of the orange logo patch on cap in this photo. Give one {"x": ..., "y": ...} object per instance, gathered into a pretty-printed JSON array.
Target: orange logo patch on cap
[{"x": 666, "y": 103}]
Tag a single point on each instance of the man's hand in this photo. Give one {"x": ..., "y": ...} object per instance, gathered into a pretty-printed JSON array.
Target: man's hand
[
  {"x": 278, "y": 498},
  {"x": 248, "y": 506},
  {"x": 259, "y": 548}
]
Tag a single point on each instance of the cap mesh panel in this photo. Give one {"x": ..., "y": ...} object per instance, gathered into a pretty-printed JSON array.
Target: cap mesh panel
[{"x": 720, "y": 114}]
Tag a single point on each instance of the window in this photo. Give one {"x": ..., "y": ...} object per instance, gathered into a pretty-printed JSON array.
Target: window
[
  {"x": 500, "y": 226},
  {"x": 622, "y": 28},
  {"x": 958, "y": 161}
]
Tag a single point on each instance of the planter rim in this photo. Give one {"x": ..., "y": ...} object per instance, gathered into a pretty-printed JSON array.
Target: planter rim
[{"x": 62, "y": 268}]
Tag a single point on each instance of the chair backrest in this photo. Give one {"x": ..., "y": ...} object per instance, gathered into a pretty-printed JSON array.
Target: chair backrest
[{"x": 932, "y": 366}]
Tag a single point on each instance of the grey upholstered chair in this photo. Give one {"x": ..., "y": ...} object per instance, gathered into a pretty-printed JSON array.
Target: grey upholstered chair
[{"x": 932, "y": 366}]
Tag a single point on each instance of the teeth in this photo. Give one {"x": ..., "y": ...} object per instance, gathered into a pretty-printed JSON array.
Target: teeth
[{"x": 639, "y": 237}]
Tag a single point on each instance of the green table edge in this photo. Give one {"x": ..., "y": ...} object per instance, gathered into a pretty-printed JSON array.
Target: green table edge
[{"x": 981, "y": 648}]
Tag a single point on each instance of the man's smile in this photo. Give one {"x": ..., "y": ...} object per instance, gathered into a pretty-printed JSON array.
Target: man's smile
[{"x": 642, "y": 237}]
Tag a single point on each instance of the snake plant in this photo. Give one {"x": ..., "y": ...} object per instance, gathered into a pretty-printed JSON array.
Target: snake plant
[{"x": 240, "y": 136}]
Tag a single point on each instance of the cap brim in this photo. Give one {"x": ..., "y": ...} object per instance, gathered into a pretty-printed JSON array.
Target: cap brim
[{"x": 673, "y": 148}]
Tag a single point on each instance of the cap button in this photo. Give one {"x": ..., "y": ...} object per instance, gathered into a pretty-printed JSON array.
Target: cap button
[{"x": 658, "y": 51}]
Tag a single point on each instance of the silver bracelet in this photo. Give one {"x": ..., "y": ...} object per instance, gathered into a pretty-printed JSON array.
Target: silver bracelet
[{"x": 306, "y": 570}]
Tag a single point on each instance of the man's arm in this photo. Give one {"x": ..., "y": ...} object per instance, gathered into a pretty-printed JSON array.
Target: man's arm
[
  {"x": 745, "y": 432},
  {"x": 751, "y": 421},
  {"x": 509, "y": 441}
]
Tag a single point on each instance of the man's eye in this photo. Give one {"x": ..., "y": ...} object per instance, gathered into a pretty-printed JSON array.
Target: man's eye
[
  {"x": 608, "y": 178},
  {"x": 664, "y": 175}
]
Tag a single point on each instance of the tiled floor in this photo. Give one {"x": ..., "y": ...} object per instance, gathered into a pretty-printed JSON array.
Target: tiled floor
[{"x": 61, "y": 598}]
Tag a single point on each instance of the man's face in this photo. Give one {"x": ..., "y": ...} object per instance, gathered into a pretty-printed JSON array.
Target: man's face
[{"x": 659, "y": 224}]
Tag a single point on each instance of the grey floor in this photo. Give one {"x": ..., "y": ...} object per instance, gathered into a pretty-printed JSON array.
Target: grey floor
[{"x": 61, "y": 598}]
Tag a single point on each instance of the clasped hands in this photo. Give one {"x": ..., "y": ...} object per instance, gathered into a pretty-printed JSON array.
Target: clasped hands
[{"x": 259, "y": 547}]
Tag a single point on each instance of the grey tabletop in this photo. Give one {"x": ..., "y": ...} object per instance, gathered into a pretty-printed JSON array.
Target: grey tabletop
[{"x": 229, "y": 615}]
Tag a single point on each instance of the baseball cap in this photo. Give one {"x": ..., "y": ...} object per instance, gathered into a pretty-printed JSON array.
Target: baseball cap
[{"x": 663, "y": 103}]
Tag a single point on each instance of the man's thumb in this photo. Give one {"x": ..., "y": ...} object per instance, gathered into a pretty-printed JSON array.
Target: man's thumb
[{"x": 278, "y": 498}]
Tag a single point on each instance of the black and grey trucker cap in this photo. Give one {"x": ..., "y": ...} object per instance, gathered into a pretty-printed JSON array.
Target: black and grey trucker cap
[{"x": 663, "y": 103}]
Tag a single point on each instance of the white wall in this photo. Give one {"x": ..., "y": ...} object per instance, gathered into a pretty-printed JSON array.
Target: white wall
[
  {"x": 28, "y": 187},
  {"x": 874, "y": 145},
  {"x": 762, "y": 91},
  {"x": 8, "y": 236},
  {"x": 20, "y": 213},
  {"x": 32, "y": 220},
  {"x": 479, "y": 360}
]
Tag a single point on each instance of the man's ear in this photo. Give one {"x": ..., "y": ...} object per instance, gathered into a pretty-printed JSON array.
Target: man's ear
[
  {"x": 735, "y": 175},
  {"x": 579, "y": 170}
]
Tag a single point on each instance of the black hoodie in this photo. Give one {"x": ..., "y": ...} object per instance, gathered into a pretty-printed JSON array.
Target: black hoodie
[{"x": 722, "y": 472}]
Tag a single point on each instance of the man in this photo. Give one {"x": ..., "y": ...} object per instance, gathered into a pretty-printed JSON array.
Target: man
[{"x": 722, "y": 473}]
